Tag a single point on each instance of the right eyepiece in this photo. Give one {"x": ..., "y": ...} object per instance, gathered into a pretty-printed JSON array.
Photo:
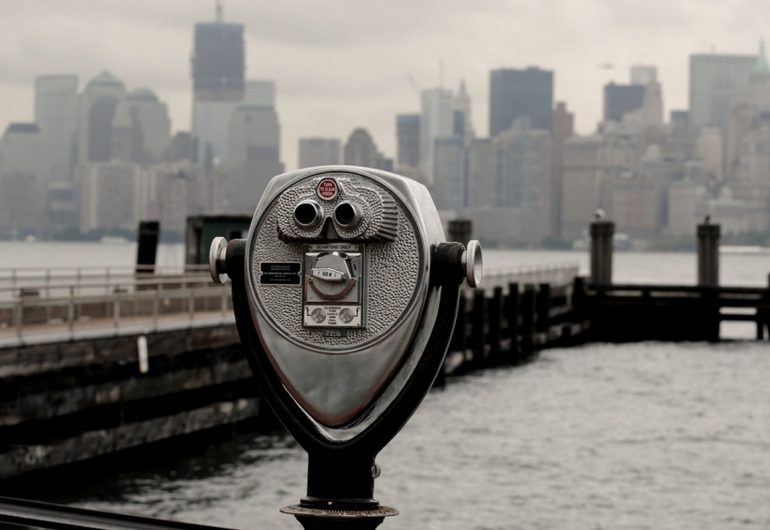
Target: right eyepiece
[
  {"x": 307, "y": 214},
  {"x": 347, "y": 214}
]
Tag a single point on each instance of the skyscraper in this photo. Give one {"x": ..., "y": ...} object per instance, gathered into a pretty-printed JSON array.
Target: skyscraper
[
  {"x": 482, "y": 183},
  {"x": 218, "y": 60},
  {"x": 408, "y": 140},
  {"x": 360, "y": 149},
  {"x": 97, "y": 110},
  {"x": 254, "y": 154},
  {"x": 436, "y": 121},
  {"x": 643, "y": 74},
  {"x": 141, "y": 127},
  {"x": 520, "y": 93},
  {"x": 717, "y": 81},
  {"x": 56, "y": 114},
  {"x": 525, "y": 175},
  {"x": 462, "y": 109},
  {"x": 218, "y": 72},
  {"x": 110, "y": 194},
  {"x": 562, "y": 129},
  {"x": 318, "y": 152},
  {"x": 449, "y": 188},
  {"x": 621, "y": 99},
  {"x": 21, "y": 188}
]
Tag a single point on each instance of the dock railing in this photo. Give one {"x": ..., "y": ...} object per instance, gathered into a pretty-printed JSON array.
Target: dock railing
[
  {"x": 57, "y": 281},
  {"x": 552, "y": 273},
  {"x": 50, "y": 305},
  {"x": 91, "y": 309}
]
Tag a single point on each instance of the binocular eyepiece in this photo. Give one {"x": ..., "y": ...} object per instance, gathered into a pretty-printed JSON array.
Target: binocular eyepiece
[
  {"x": 308, "y": 214},
  {"x": 345, "y": 294}
]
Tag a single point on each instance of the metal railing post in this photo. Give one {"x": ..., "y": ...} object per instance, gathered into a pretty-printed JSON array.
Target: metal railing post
[
  {"x": 116, "y": 312},
  {"x": 155, "y": 307},
  {"x": 191, "y": 304},
  {"x": 71, "y": 312},
  {"x": 19, "y": 317}
]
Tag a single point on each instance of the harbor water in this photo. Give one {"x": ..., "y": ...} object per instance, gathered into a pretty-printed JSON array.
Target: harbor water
[{"x": 648, "y": 435}]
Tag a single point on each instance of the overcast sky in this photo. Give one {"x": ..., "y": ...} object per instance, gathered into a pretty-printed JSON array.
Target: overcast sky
[{"x": 339, "y": 64}]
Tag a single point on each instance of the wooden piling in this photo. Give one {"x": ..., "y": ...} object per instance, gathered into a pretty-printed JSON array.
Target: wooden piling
[
  {"x": 512, "y": 316},
  {"x": 602, "y": 232},
  {"x": 763, "y": 315},
  {"x": 148, "y": 235},
  {"x": 478, "y": 322},
  {"x": 495, "y": 335},
  {"x": 708, "y": 254},
  {"x": 458, "y": 336},
  {"x": 528, "y": 321},
  {"x": 579, "y": 298},
  {"x": 543, "y": 306}
]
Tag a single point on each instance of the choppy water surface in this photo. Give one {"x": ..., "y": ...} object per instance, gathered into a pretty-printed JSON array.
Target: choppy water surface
[{"x": 637, "y": 436}]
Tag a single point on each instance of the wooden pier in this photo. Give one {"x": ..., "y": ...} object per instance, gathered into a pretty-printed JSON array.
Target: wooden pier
[
  {"x": 115, "y": 361},
  {"x": 631, "y": 313},
  {"x": 97, "y": 362}
]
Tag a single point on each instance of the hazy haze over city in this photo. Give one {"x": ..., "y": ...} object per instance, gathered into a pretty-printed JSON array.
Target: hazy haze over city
[{"x": 339, "y": 64}]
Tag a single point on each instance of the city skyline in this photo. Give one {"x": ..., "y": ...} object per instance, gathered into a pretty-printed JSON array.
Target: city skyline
[{"x": 299, "y": 52}]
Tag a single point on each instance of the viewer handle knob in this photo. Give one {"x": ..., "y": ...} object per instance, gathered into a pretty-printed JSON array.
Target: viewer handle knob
[
  {"x": 217, "y": 260},
  {"x": 472, "y": 263}
]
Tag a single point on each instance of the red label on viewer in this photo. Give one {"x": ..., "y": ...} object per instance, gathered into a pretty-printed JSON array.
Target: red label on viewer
[{"x": 327, "y": 189}]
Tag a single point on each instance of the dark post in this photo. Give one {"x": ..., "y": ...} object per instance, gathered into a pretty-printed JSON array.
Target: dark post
[
  {"x": 528, "y": 321},
  {"x": 495, "y": 325},
  {"x": 578, "y": 298},
  {"x": 711, "y": 321},
  {"x": 602, "y": 231},
  {"x": 763, "y": 314},
  {"x": 543, "y": 307},
  {"x": 459, "y": 337},
  {"x": 147, "y": 246},
  {"x": 512, "y": 315},
  {"x": 708, "y": 254},
  {"x": 479, "y": 322},
  {"x": 460, "y": 231}
]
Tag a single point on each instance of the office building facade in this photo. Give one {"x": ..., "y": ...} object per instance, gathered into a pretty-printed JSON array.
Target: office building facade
[{"x": 515, "y": 94}]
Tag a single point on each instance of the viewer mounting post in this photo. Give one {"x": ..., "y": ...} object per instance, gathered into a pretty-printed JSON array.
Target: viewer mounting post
[{"x": 345, "y": 296}]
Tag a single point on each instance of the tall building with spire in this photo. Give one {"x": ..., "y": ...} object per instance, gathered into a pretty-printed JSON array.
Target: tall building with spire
[
  {"x": 462, "y": 109},
  {"x": 218, "y": 75},
  {"x": 759, "y": 81}
]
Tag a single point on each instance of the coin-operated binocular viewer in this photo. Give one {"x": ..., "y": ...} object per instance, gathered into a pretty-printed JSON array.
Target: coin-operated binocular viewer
[{"x": 345, "y": 297}]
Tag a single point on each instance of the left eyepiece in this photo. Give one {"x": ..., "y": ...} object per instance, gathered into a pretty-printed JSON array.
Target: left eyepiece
[{"x": 307, "y": 214}]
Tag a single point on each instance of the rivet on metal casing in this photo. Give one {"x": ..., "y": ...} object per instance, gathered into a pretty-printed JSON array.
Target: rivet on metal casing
[
  {"x": 472, "y": 263},
  {"x": 217, "y": 263}
]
